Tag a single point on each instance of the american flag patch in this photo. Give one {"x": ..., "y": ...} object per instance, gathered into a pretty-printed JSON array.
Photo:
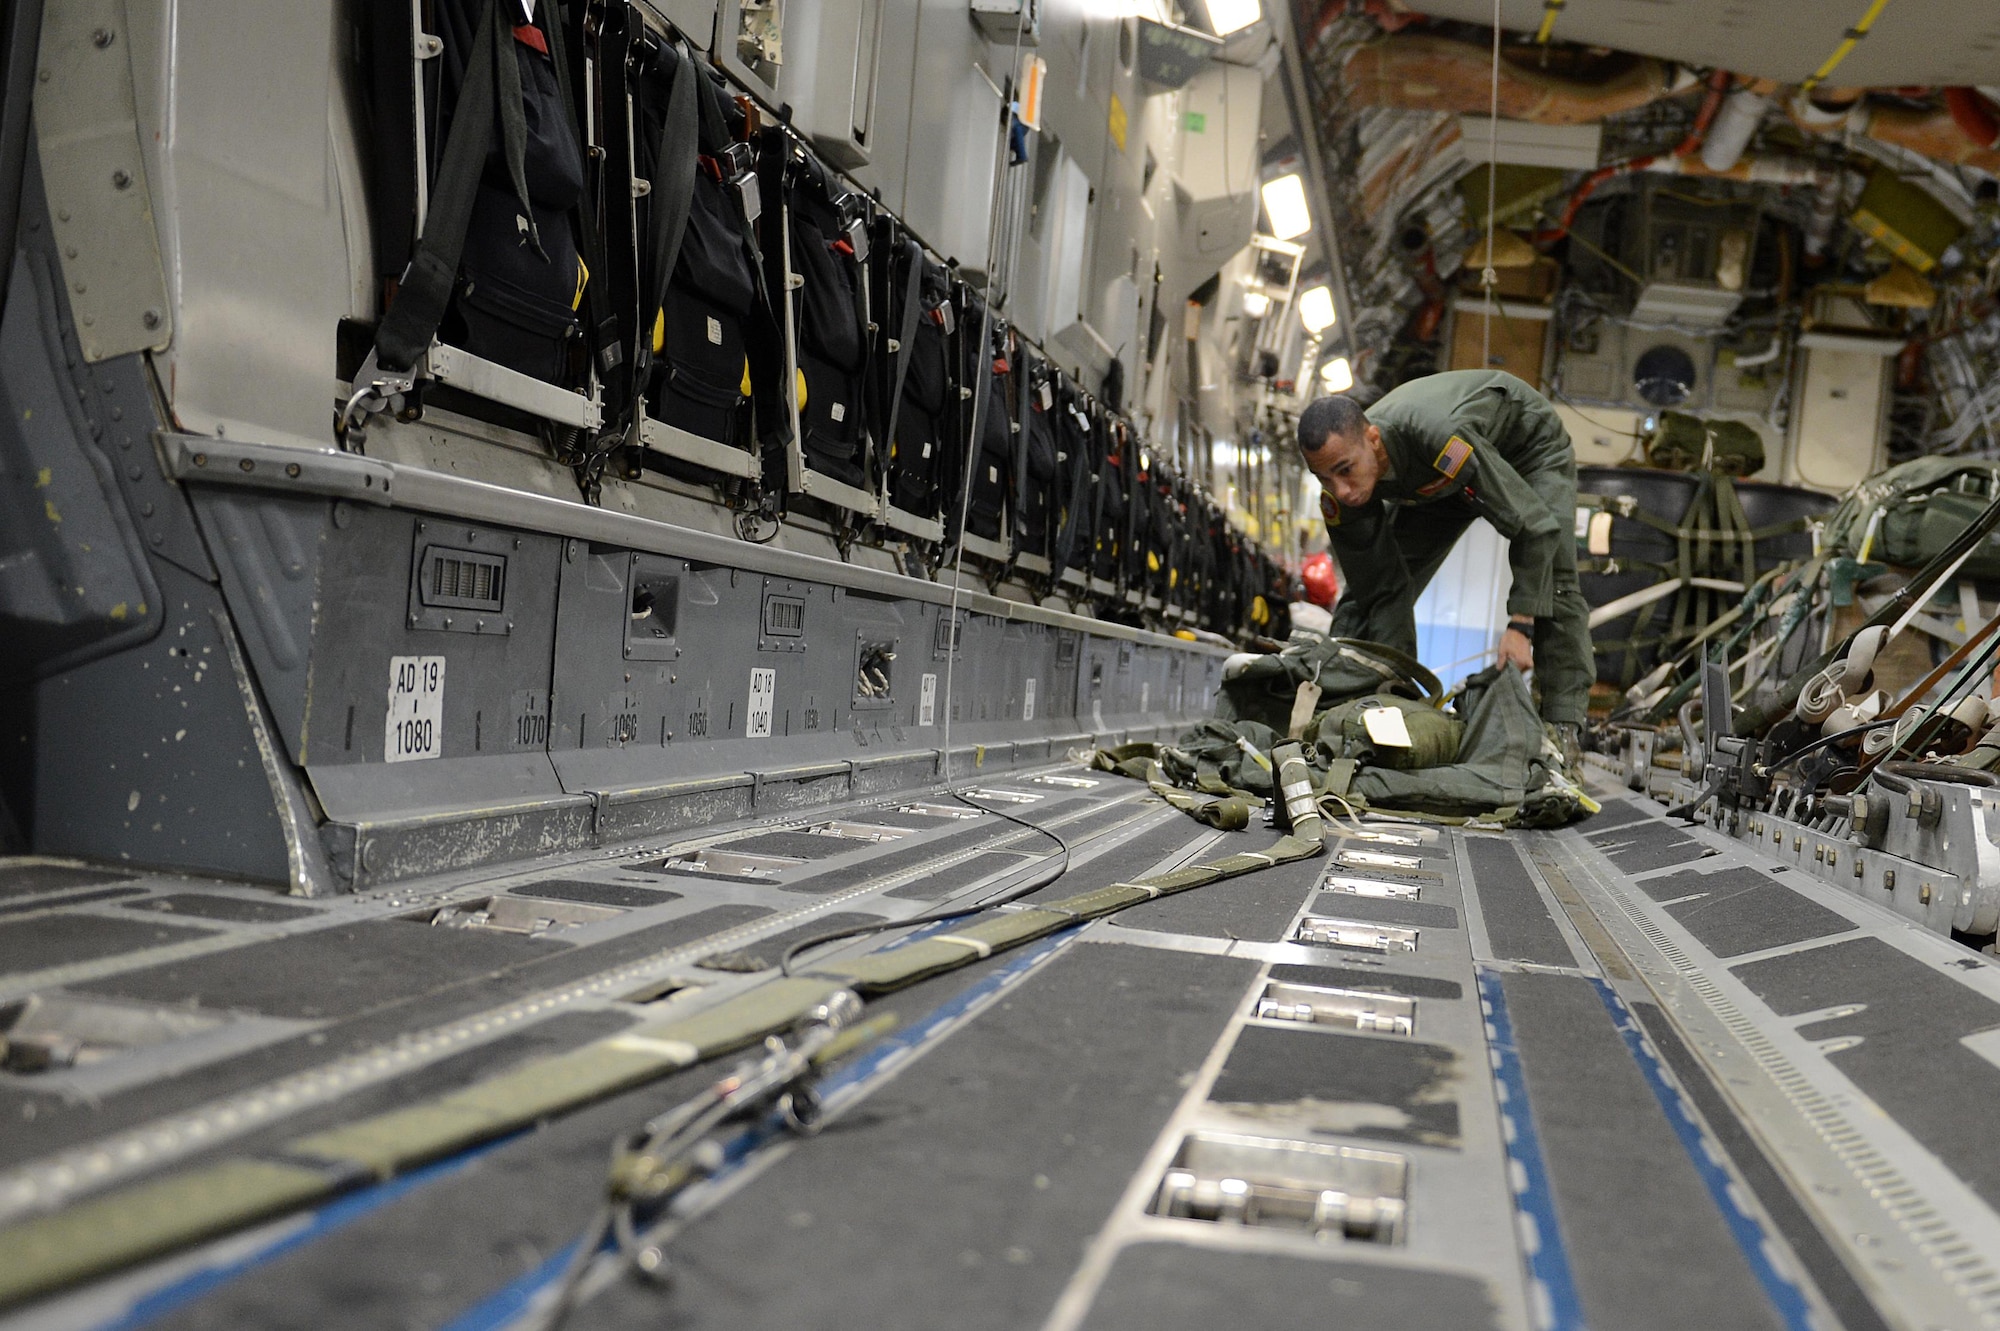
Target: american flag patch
[{"x": 1450, "y": 461}]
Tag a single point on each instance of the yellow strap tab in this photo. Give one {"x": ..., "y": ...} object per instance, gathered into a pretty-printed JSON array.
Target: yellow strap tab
[
  {"x": 1846, "y": 47},
  {"x": 674, "y": 1051},
  {"x": 980, "y": 947}
]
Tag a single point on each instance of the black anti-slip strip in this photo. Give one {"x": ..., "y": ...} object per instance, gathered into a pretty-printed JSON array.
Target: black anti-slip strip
[
  {"x": 1616, "y": 814},
  {"x": 960, "y": 1194},
  {"x": 1368, "y": 981},
  {"x": 1518, "y": 926},
  {"x": 1386, "y": 910},
  {"x": 1647, "y": 1247},
  {"x": 1643, "y": 847},
  {"x": 1836, "y": 1283},
  {"x": 1910, "y": 1059},
  {"x": 1171, "y": 1287},
  {"x": 41, "y": 941}
]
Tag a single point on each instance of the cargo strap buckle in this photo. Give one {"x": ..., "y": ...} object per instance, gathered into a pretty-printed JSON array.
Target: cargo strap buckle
[{"x": 376, "y": 391}]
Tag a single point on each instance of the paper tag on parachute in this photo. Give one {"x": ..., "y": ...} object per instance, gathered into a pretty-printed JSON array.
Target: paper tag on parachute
[
  {"x": 1598, "y": 541},
  {"x": 1303, "y": 705},
  {"x": 1386, "y": 727}
]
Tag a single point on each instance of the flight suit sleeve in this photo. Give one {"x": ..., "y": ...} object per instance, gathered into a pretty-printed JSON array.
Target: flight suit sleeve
[
  {"x": 1533, "y": 531},
  {"x": 1375, "y": 594}
]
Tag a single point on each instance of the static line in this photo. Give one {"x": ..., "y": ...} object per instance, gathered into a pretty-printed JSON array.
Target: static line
[
  {"x": 328, "y": 1219},
  {"x": 849, "y": 1083}
]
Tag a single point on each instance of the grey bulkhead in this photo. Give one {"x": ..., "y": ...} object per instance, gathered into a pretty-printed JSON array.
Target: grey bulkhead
[{"x": 239, "y": 723}]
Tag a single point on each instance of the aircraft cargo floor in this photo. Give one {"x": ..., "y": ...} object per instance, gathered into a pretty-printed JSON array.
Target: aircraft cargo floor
[{"x": 1626, "y": 1075}]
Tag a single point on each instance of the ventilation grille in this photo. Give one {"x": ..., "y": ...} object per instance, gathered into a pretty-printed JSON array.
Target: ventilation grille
[
  {"x": 463, "y": 579},
  {"x": 784, "y": 617}
]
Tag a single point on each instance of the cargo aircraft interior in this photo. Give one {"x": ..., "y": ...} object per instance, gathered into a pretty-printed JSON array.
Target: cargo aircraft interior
[{"x": 1000, "y": 665}]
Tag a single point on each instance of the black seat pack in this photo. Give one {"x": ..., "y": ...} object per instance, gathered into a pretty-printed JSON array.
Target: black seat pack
[
  {"x": 917, "y": 389},
  {"x": 989, "y": 453},
  {"x": 826, "y": 248}
]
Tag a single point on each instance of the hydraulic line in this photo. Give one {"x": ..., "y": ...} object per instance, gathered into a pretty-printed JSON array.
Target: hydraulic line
[{"x": 1718, "y": 84}]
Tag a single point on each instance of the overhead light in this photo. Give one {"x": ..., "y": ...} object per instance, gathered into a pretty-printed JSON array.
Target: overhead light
[
  {"x": 1285, "y": 204},
  {"x": 1338, "y": 374},
  {"x": 1316, "y": 309},
  {"x": 1256, "y": 304},
  {"x": 1227, "y": 16}
]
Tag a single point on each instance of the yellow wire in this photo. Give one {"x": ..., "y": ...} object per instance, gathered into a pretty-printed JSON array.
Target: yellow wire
[
  {"x": 1550, "y": 8},
  {"x": 1847, "y": 45}
]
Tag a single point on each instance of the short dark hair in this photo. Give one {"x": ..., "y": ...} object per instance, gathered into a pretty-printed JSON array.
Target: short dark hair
[{"x": 1328, "y": 416}]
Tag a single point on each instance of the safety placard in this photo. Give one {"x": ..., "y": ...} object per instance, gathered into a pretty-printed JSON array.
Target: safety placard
[
  {"x": 763, "y": 697},
  {"x": 1028, "y": 702},
  {"x": 415, "y": 728},
  {"x": 927, "y": 701}
]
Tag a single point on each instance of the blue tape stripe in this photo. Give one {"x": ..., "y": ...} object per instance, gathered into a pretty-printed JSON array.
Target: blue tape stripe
[
  {"x": 1759, "y": 1249},
  {"x": 328, "y": 1219},
  {"x": 852, "y": 1079},
  {"x": 1551, "y": 1284}
]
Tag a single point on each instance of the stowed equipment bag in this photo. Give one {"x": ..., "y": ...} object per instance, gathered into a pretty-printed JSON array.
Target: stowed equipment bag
[
  {"x": 1076, "y": 483},
  {"x": 713, "y": 348},
  {"x": 916, "y": 384},
  {"x": 1265, "y": 689},
  {"x": 1342, "y": 732},
  {"x": 1488, "y": 761},
  {"x": 1505, "y": 770},
  {"x": 1922, "y": 506},
  {"x": 989, "y": 452},
  {"x": 1035, "y": 502},
  {"x": 496, "y": 271},
  {"x": 1116, "y": 466},
  {"x": 1679, "y": 441},
  {"x": 828, "y": 245}
]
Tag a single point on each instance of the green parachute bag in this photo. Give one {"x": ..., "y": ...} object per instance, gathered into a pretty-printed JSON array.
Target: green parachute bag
[
  {"x": 1223, "y": 757},
  {"x": 1263, "y": 688},
  {"x": 1915, "y": 510},
  {"x": 1681, "y": 442},
  {"x": 1343, "y": 732},
  {"x": 1507, "y": 770}
]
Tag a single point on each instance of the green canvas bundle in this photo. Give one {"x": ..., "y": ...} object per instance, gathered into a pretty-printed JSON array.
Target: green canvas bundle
[
  {"x": 1917, "y": 509},
  {"x": 1264, "y": 688},
  {"x": 1485, "y": 759}
]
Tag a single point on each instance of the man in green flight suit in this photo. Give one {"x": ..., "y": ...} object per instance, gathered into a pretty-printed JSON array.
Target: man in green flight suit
[{"x": 1405, "y": 478}]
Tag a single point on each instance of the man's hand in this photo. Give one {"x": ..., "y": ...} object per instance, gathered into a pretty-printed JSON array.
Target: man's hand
[{"x": 1517, "y": 645}]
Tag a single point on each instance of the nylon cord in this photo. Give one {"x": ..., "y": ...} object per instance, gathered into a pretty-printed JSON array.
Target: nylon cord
[
  {"x": 1011, "y": 895},
  {"x": 1488, "y": 277},
  {"x": 997, "y": 224}
]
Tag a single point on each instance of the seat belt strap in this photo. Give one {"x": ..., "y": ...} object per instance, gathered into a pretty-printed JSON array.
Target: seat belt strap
[
  {"x": 906, "y": 336},
  {"x": 672, "y": 193},
  {"x": 602, "y": 323}
]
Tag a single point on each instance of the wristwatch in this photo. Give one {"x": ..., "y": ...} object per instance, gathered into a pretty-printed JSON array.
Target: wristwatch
[{"x": 1522, "y": 624}]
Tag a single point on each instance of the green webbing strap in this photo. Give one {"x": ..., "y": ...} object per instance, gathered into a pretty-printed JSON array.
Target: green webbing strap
[
  {"x": 1730, "y": 506},
  {"x": 1624, "y": 506},
  {"x": 126, "y": 1225}
]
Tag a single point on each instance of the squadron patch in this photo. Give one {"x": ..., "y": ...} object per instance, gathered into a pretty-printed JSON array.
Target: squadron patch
[{"x": 1448, "y": 464}]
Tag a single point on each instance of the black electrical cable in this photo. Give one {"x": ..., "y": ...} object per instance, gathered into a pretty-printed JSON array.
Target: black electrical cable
[
  {"x": 1822, "y": 742},
  {"x": 1026, "y": 889}
]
